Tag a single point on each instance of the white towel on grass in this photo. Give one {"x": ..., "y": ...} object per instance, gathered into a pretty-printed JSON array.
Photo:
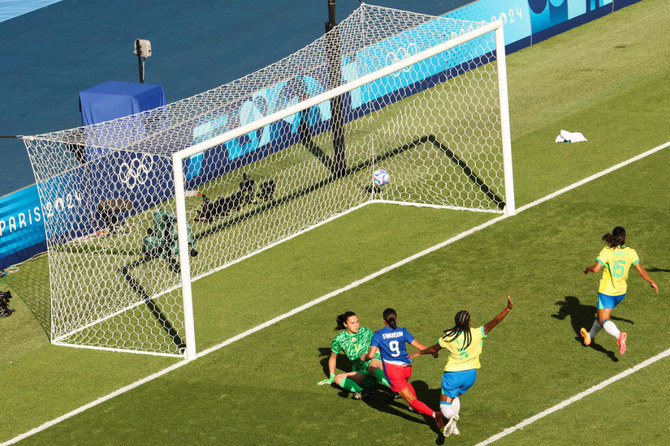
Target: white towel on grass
[{"x": 566, "y": 136}]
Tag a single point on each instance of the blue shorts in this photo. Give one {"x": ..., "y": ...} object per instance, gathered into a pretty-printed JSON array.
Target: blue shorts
[
  {"x": 457, "y": 383},
  {"x": 609, "y": 302}
]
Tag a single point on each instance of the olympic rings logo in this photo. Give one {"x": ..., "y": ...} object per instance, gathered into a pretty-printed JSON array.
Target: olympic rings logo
[
  {"x": 400, "y": 54},
  {"x": 136, "y": 172}
]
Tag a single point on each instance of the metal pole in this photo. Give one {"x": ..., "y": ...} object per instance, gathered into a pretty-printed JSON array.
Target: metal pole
[
  {"x": 140, "y": 62},
  {"x": 334, "y": 80}
]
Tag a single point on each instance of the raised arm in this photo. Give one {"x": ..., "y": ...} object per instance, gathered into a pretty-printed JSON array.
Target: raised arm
[
  {"x": 645, "y": 275},
  {"x": 496, "y": 320}
]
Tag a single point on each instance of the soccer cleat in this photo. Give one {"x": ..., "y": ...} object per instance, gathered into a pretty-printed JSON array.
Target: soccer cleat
[
  {"x": 621, "y": 342},
  {"x": 455, "y": 430},
  {"x": 450, "y": 427},
  {"x": 585, "y": 337},
  {"x": 362, "y": 395}
]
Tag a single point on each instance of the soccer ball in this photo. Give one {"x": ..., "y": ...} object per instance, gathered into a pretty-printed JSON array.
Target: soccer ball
[{"x": 381, "y": 177}]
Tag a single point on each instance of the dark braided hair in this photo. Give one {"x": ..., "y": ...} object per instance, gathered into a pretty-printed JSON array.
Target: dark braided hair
[
  {"x": 462, "y": 325},
  {"x": 390, "y": 317},
  {"x": 616, "y": 238},
  {"x": 342, "y": 319}
]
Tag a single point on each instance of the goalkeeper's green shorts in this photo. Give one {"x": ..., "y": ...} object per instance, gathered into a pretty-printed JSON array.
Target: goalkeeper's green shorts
[{"x": 362, "y": 367}]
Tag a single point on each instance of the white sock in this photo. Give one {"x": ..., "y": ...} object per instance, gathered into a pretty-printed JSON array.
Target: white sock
[
  {"x": 595, "y": 329},
  {"x": 611, "y": 328},
  {"x": 447, "y": 410},
  {"x": 456, "y": 405}
]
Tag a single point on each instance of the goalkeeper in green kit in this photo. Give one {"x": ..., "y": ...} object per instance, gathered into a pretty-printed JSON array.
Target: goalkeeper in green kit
[{"x": 354, "y": 341}]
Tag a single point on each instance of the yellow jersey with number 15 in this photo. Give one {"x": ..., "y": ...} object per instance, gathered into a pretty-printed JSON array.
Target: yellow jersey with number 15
[
  {"x": 463, "y": 359},
  {"x": 616, "y": 263}
]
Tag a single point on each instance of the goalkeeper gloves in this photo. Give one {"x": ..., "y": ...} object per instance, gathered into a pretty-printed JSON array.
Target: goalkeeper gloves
[{"x": 327, "y": 381}]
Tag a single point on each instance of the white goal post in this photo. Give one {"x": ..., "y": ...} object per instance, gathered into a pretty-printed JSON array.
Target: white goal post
[
  {"x": 138, "y": 208},
  {"x": 179, "y": 157}
]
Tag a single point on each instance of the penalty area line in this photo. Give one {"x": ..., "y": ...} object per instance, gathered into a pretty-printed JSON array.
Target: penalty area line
[
  {"x": 321, "y": 299},
  {"x": 575, "y": 398}
]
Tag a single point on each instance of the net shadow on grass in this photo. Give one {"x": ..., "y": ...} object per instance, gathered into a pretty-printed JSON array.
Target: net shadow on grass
[
  {"x": 319, "y": 153},
  {"x": 472, "y": 176},
  {"x": 324, "y": 159},
  {"x": 151, "y": 305}
]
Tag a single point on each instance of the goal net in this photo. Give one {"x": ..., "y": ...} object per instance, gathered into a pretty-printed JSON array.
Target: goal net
[{"x": 138, "y": 207}]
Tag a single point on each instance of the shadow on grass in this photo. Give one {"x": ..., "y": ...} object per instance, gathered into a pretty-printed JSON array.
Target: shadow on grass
[
  {"x": 31, "y": 285},
  {"x": 383, "y": 399},
  {"x": 319, "y": 153},
  {"x": 583, "y": 316},
  {"x": 154, "y": 308},
  {"x": 653, "y": 269},
  {"x": 341, "y": 364}
]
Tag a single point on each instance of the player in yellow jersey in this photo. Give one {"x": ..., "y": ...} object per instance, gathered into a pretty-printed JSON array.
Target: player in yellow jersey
[
  {"x": 464, "y": 345},
  {"x": 615, "y": 260}
]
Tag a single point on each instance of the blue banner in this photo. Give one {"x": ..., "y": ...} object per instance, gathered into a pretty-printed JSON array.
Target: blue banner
[
  {"x": 513, "y": 13},
  {"x": 21, "y": 226},
  {"x": 545, "y": 14}
]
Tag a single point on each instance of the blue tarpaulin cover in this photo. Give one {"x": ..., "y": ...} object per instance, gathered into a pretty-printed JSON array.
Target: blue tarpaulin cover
[{"x": 112, "y": 99}]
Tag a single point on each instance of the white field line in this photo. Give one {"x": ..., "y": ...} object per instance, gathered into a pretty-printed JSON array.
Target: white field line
[
  {"x": 575, "y": 398},
  {"x": 368, "y": 278}
]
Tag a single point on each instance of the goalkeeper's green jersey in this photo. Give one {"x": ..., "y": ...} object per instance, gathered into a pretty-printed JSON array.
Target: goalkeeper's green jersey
[{"x": 353, "y": 345}]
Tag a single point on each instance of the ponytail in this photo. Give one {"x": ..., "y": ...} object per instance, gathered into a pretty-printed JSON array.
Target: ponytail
[
  {"x": 390, "y": 317},
  {"x": 342, "y": 319},
  {"x": 462, "y": 325},
  {"x": 616, "y": 238}
]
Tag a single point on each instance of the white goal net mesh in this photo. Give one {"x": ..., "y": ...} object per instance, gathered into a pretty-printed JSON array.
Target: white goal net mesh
[{"x": 108, "y": 191}]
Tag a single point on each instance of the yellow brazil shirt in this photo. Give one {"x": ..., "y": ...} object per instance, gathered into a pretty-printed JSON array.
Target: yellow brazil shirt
[
  {"x": 463, "y": 359},
  {"x": 616, "y": 263}
]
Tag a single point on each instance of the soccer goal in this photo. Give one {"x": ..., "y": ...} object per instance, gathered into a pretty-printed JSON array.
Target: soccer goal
[{"x": 138, "y": 208}]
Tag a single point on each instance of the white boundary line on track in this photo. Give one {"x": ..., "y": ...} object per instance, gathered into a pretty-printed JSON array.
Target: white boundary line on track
[{"x": 372, "y": 276}]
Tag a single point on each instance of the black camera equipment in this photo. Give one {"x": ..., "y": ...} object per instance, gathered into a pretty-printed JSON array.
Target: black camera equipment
[{"x": 5, "y": 311}]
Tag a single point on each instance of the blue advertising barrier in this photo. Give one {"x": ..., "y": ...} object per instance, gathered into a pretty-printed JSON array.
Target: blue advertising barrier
[
  {"x": 22, "y": 233},
  {"x": 21, "y": 226}
]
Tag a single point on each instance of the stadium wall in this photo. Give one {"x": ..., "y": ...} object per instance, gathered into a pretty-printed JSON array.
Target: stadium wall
[{"x": 22, "y": 231}]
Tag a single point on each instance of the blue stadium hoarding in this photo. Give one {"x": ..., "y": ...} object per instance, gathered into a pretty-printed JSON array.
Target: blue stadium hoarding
[
  {"x": 514, "y": 14},
  {"x": 21, "y": 226}
]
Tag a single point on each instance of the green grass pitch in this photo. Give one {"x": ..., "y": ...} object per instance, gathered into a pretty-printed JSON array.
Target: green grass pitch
[{"x": 608, "y": 79}]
